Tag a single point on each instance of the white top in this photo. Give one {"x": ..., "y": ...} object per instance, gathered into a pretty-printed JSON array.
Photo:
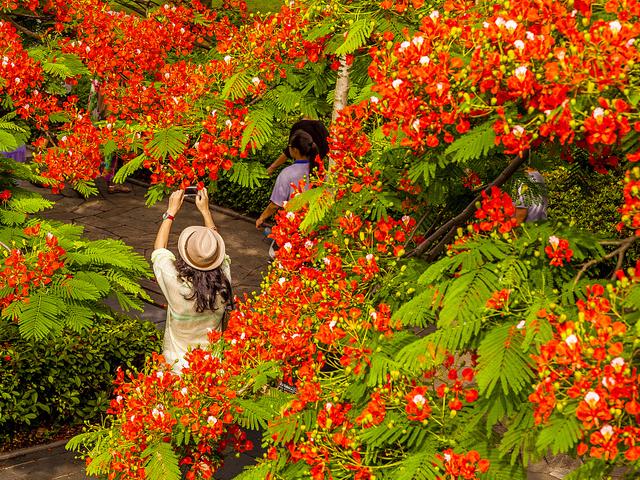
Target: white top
[{"x": 185, "y": 328}]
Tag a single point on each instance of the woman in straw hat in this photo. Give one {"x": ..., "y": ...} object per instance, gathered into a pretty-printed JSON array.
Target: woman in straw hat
[{"x": 197, "y": 285}]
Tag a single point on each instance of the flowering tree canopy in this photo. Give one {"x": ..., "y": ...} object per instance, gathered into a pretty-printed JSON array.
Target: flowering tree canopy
[{"x": 411, "y": 312}]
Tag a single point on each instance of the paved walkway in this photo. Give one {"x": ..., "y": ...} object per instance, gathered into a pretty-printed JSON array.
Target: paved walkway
[{"x": 126, "y": 217}]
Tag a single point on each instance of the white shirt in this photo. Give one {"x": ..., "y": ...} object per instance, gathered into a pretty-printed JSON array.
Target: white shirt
[{"x": 185, "y": 328}]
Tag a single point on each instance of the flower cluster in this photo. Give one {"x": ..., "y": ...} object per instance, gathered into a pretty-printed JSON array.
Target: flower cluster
[
  {"x": 23, "y": 79},
  {"x": 157, "y": 403},
  {"x": 499, "y": 299},
  {"x": 496, "y": 212},
  {"x": 23, "y": 272},
  {"x": 461, "y": 466},
  {"x": 587, "y": 369},
  {"x": 558, "y": 251},
  {"x": 630, "y": 210},
  {"x": 457, "y": 386},
  {"x": 534, "y": 73}
]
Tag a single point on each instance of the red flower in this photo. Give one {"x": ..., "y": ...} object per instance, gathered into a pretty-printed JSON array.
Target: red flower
[{"x": 417, "y": 407}]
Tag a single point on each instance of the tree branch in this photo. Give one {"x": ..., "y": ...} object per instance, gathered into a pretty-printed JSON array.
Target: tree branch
[
  {"x": 447, "y": 230},
  {"x": 20, "y": 28},
  {"x": 619, "y": 252}
]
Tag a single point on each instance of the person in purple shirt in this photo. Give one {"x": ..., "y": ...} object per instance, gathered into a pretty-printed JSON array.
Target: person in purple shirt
[
  {"x": 304, "y": 152},
  {"x": 19, "y": 154},
  {"x": 319, "y": 134}
]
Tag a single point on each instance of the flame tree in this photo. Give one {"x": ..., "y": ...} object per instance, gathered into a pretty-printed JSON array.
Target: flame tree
[{"x": 427, "y": 334}]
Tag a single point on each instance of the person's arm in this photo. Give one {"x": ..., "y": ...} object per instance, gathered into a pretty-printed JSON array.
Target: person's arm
[
  {"x": 175, "y": 202},
  {"x": 202, "y": 202},
  {"x": 268, "y": 212},
  {"x": 279, "y": 161}
]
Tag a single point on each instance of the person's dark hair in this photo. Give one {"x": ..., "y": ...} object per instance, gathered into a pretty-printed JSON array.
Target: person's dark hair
[
  {"x": 307, "y": 147},
  {"x": 206, "y": 285}
]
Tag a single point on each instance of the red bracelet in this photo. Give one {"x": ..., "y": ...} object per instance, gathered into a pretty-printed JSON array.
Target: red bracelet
[{"x": 167, "y": 216}]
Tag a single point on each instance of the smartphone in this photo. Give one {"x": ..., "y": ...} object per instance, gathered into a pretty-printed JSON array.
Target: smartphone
[{"x": 191, "y": 191}]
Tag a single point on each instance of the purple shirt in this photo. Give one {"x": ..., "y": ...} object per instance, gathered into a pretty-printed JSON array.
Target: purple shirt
[
  {"x": 283, "y": 189},
  {"x": 19, "y": 154}
]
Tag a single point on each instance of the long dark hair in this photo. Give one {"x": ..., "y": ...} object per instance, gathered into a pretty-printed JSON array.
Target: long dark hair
[
  {"x": 307, "y": 148},
  {"x": 206, "y": 286}
]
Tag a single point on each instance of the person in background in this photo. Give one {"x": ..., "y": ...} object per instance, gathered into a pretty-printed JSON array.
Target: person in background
[
  {"x": 532, "y": 201},
  {"x": 319, "y": 134},
  {"x": 19, "y": 154},
  {"x": 304, "y": 151},
  {"x": 196, "y": 284}
]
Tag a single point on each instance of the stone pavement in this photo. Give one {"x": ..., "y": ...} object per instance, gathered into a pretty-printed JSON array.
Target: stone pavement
[{"x": 126, "y": 217}]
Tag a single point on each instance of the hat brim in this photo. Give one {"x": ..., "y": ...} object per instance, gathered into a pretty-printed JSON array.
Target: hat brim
[{"x": 182, "y": 248}]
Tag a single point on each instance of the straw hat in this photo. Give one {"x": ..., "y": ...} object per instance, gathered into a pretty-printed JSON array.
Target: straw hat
[{"x": 201, "y": 248}]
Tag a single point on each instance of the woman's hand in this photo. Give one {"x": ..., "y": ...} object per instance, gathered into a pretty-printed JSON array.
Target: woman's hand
[
  {"x": 202, "y": 200},
  {"x": 175, "y": 202}
]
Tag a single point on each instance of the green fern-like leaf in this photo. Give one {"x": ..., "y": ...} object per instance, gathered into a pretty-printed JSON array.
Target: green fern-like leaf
[
  {"x": 259, "y": 128},
  {"x": 8, "y": 141},
  {"x": 10, "y": 217},
  {"x": 590, "y": 470},
  {"x": 422, "y": 354},
  {"x": 502, "y": 361},
  {"x": 287, "y": 99},
  {"x": 86, "y": 188},
  {"x": 467, "y": 295},
  {"x": 79, "y": 317},
  {"x": 255, "y": 472},
  {"x": 39, "y": 317},
  {"x": 236, "y": 86},
  {"x": 317, "y": 199},
  {"x": 128, "y": 169},
  {"x": 248, "y": 174},
  {"x": 417, "y": 466},
  {"x": 155, "y": 194},
  {"x": 75, "y": 289},
  {"x": 161, "y": 463},
  {"x": 29, "y": 205},
  {"x": 474, "y": 144},
  {"x": 65, "y": 66},
  {"x": 255, "y": 413},
  {"x": 519, "y": 440},
  {"x": 358, "y": 35},
  {"x": 560, "y": 434},
  {"x": 417, "y": 312},
  {"x": 167, "y": 142}
]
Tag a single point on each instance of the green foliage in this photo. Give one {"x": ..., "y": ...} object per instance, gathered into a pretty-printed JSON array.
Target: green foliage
[
  {"x": 418, "y": 466},
  {"x": 476, "y": 143},
  {"x": 167, "y": 142},
  {"x": 503, "y": 362},
  {"x": 248, "y": 174},
  {"x": 128, "y": 169},
  {"x": 162, "y": 462},
  {"x": 259, "y": 129},
  {"x": 66, "y": 379},
  {"x": 236, "y": 86},
  {"x": 358, "y": 34}
]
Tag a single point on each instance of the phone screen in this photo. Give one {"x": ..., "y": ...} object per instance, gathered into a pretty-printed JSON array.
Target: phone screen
[{"x": 190, "y": 191}]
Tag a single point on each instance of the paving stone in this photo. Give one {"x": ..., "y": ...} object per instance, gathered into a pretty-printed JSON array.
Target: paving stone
[{"x": 49, "y": 464}]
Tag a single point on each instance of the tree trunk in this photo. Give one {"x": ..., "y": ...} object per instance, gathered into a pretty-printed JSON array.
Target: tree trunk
[
  {"x": 341, "y": 95},
  {"x": 342, "y": 88}
]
